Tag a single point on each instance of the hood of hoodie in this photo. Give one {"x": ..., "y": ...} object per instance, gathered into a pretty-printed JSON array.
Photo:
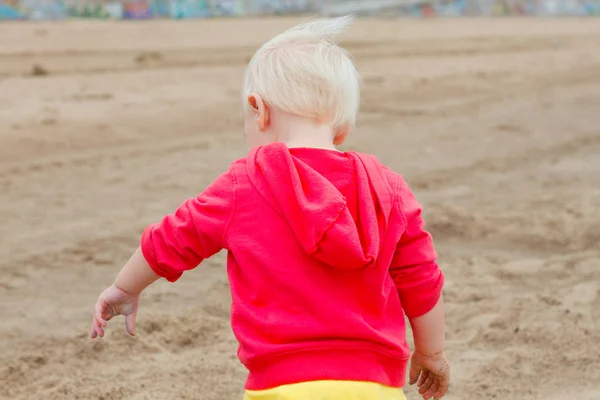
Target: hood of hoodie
[{"x": 318, "y": 213}]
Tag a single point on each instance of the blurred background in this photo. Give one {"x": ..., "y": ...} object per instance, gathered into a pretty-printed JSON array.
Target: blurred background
[
  {"x": 106, "y": 124},
  {"x": 177, "y": 9}
]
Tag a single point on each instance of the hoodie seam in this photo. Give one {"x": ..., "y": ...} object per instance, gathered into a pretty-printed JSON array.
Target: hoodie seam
[
  {"x": 398, "y": 200},
  {"x": 384, "y": 352},
  {"x": 251, "y": 159},
  {"x": 233, "y": 208},
  {"x": 328, "y": 226}
]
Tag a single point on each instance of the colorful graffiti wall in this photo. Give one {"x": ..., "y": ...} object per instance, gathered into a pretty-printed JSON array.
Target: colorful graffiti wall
[
  {"x": 96, "y": 10},
  {"x": 182, "y": 9},
  {"x": 11, "y": 10},
  {"x": 475, "y": 8}
]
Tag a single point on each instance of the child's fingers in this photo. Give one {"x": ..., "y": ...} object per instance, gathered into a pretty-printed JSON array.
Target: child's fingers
[
  {"x": 98, "y": 322},
  {"x": 130, "y": 323},
  {"x": 415, "y": 371},
  {"x": 414, "y": 375},
  {"x": 433, "y": 389},
  {"x": 93, "y": 333},
  {"x": 98, "y": 328},
  {"x": 107, "y": 315},
  {"x": 442, "y": 390},
  {"x": 423, "y": 378},
  {"x": 98, "y": 311},
  {"x": 426, "y": 385},
  {"x": 107, "y": 312}
]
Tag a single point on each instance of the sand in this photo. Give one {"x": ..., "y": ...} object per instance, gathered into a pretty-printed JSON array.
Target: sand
[{"x": 494, "y": 123}]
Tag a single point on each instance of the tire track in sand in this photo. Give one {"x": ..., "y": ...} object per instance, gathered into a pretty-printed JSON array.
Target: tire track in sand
[{"x": 87, "y": 61}]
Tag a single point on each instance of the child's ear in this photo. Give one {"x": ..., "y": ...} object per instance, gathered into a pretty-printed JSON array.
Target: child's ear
[
  {"x": 253, "y": 100},
  {"x": 341, "y": 134},
  {"x": 260, "y": 109}
]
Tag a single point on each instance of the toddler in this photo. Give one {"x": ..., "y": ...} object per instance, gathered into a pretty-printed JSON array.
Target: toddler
[{"x": 327, "y": 250}]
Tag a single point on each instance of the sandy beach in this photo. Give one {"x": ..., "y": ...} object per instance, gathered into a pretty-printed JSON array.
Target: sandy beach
[{"x": 106, "y": 126}]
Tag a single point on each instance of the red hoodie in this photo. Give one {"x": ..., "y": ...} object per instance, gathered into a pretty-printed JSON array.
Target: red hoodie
[{"x": 326, "y": 253}]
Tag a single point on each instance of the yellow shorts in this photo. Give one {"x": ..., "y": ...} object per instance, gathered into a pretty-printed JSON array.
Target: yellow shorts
[{"x": 328, "y": 390}]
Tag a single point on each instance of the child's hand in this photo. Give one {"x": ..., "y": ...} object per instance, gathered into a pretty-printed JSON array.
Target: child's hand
[
  {"x": 112, "y": 302},
  {"x": 431, "y": 373}
]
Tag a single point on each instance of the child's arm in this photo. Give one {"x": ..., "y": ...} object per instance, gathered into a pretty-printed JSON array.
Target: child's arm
[
  {"x": 178, "y": 243},
  {"x": 429, "y": 367},
  {"x": 419, "y": 282},
  {"x": 136, "y": 275},
  {"x": 429, "y": 330}
]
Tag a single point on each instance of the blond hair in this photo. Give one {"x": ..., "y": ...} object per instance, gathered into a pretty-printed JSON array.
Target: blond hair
[{"x": 304, "y": 72}]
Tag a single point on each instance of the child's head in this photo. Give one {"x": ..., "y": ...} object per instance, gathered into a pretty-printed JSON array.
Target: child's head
[{"x": 301, "y": 83}]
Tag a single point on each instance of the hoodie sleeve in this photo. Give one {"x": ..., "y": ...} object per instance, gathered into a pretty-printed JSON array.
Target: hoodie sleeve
[
  {"x": 194, "y": 232},
  {"x": 414, "y": 269}
]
